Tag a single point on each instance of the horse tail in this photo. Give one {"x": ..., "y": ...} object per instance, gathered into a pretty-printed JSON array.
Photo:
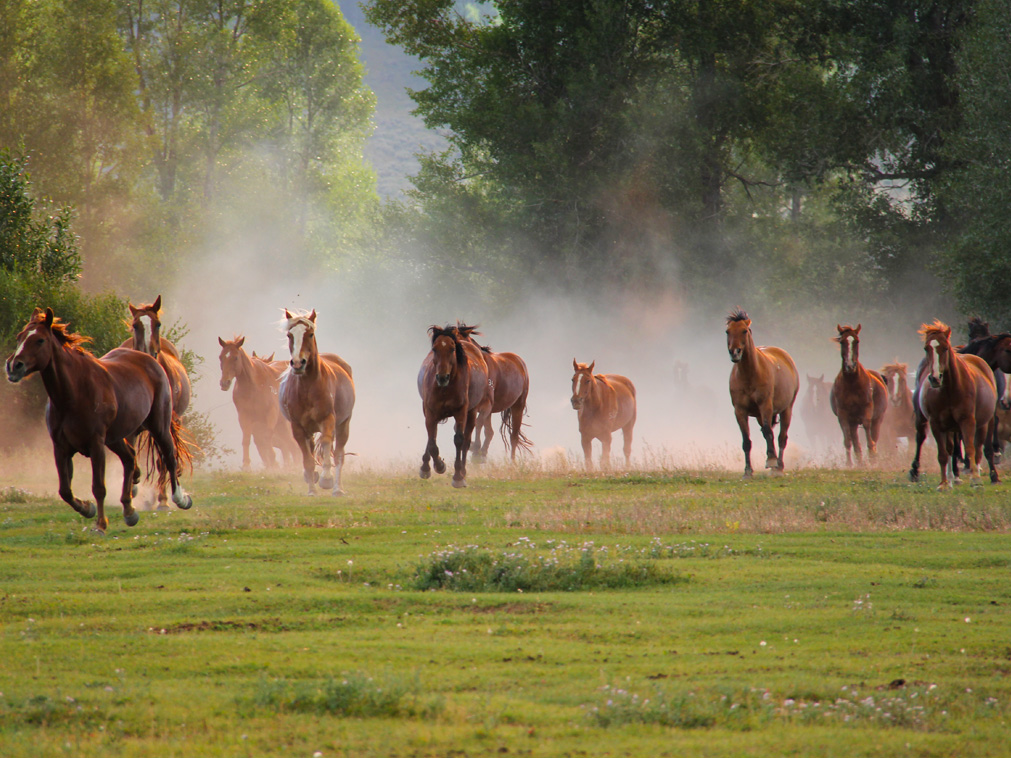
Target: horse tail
[
  {"x": 509, "y": 421},
  {"x": 184, "y": 443}
]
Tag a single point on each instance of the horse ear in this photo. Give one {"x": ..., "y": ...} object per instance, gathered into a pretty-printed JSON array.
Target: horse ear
[
  {"x": 133, "y": 311},
  {"x": 156, "y": 305},
  {"x": 312, "y": 316},
  {"x": 575, "y": 366},
  {"x": 287, "y": 315},
  {"x": 947, "y": 331},
  {"x": 747, "y": 323},
  {"x": 592, "y": 364},
  {"x": 838, "y": 328},
  {"x": 239, "y": 341},
  {"x": 221, "y": 342},
  {"x": 49, "y": 317},
  {"x": 858, "y": 329}
]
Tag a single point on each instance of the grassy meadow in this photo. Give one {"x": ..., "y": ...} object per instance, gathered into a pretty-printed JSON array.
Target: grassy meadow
[{"x": 539, "y": 613}]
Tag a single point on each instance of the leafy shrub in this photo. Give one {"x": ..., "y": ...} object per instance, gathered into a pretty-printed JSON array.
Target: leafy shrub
[{"x": 354, "y": 696}]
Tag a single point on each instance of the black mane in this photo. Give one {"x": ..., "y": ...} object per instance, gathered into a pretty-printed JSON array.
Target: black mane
[{"x": 737, "y": 315}]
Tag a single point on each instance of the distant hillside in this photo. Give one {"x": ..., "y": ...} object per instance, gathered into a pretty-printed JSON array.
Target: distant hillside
[{"x": 389, "y": 72}]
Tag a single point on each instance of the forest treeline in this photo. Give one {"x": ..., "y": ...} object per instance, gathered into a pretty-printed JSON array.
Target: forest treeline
[{"x": 793, "y": 151}]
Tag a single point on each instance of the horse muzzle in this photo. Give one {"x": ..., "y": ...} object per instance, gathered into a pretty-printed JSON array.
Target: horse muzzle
[
  {"x": 15, "y": 371},
  {"x": 298, "y": 367},
  {"x": 935, "y": 382},
  {"x": 226, "y": 385},
  {"x": 442, "y": 380},
  {"x": 736, "y": 354},
  {"x": 577, "y": 403}
]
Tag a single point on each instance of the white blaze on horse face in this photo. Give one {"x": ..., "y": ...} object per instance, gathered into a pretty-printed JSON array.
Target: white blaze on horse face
[
  {"x": 21, "y": 346},
  {"x": 935, "y": 362},
  {"x": 896, "y": 386},
  {"x": 848, "y": 360},
  {"x": 297, "y": 333},
  {"x": 146, "y": 329}
]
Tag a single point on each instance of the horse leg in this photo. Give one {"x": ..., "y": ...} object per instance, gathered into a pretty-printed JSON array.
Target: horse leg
[
  {"x": 431, "y": 450},
  {"x": 626, "y": 433},
  {"x": 586, "y": 441},
  {"x": 135, "y": 477},
  {"x": 98, "y": 491},
  {"x": 920, "y": 431},
  {"x": 304, "y": 442},
  {"x": 944, "y": 444},
  {"x": 164, "y": 432},
  {"x": 990, "y": 450},
  {"x": 854, "y": 432},
  {"x": 341, "y": 434},
  {"x": 325, "y": 447},
  {"x": 461, "y": 438},
  {"x": 65, "y": 471},
  {"x": 784, "y": 427},
  {"x": 742, "y": 422},
  {"x": 261, "y": 438},
  {"x": 247, "y": 463},
  {"x": 128, "y": 458},
  {"x": 605, "y": 451}
]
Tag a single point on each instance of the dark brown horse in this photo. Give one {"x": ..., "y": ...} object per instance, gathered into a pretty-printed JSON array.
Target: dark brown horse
[
  {"x": 899, "y": 418},
  {"x": 604, "y": 404},
  {"x": 255, "y": 397},
  {"x": 819, "y": 421},
  {"x": 858, "y": 396},
  {"x": 764, "y": 385},
  {"x": 508, "y": 386},
  {"x": 317, "y": 396},
  {"x": 453, "y": 383},
  {"x": 145, "y": 324},
  {"x": 955, "y": 394},
  {"x": 96, "y": 403}
]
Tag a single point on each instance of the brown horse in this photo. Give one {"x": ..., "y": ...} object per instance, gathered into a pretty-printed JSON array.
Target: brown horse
[
  {"x": 604, "y": 404},
  {"x": 955, "y": 394},
  {"x": 145, "y": 324},
  {"x": 96, "y": 403},
  {"x": 764, "y": 385},
  {"x": 255, "y": 398},
  {"x": 899, "y": 419},
  {"x": 317, "y": 396},
  {"x": 508, "y": 385},
  {"x": 819, "y": 421},
  {"x": 453, "y": 383},
  {"x": 858, "y": 396}
]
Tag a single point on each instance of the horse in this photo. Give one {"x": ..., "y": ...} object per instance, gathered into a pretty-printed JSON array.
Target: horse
[
  {"x": 899, "y": 418},
  {"x": 858, "y": 397},
  {"x": 145, "y": 324},
  {"x": 995, "y": 349},
  {"x": 764, "y": 385},
  {"x": 604, "y": 403},
  {"x": 818, "y": 418},
  {"x": 317, "y": 396},
  {"x": 508, "y": 384},
  {"x": 254, "y": 394},
  {"x": 955, "y": 394},
  {"x": 96, "y": 403},
  {"x": 453, "y": 383}
]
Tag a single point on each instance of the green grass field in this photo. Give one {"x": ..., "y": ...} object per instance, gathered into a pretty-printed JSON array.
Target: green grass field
[{"x": 665, "y": 613}]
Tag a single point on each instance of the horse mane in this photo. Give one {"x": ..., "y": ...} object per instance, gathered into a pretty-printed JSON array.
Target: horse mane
[
  {"x": 737, "y": 315},
  {"x": 937, "y": 326},
  {"x": 453, "y": 332},
  {"x": 978, "y": 328},
  {"x": 60, "y": 329},
  {"x": 897, "y": 367},
  {"x": 299, "y": 317}
]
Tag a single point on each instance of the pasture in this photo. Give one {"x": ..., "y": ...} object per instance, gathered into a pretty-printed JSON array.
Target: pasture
[{"x": 538, "y": 612}]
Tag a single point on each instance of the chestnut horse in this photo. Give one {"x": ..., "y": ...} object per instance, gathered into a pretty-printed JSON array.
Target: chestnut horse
[
  {"x": 317, "y": 396},
  {"x": 899, "y": 418},
  {"x": 819, "y": 421},
  {"x": 955, "y": 394},
  {"x": 604, "y": 404},
  {"x": 508, "y": 385},
  {"x": 96, "y": 403},
  {"x": 255, "y": 398},
  {"x": 145, "y": 324},
  {"x": 858, "y": 396},
  {"x": 453, "y": 383},
  {"x": 764, "y": 385}
]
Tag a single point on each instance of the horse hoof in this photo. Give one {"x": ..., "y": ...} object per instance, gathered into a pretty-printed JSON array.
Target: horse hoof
[
  {"x": 914, "y": 476},
  {"x": 326, "y": 482},
  {"x": 338, "y": 492},
  {"x": 134, "y": 491},
  {"x": 186, "y": 504},
  {"x": 131, "y": 518},
  {"x": 440, "y": 466},
  {"x": 459, "y": 483},
  {"x": 425, "y": 473},
  {"x": 88, "y": 510}
]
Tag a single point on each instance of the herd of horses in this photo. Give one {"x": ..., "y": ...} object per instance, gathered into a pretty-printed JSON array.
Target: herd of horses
[{"x": 131, "y": 401}]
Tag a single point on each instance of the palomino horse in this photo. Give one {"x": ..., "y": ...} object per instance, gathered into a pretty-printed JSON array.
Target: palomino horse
[
  {"x": 255, "y": 398},
  {"x": 604, "y": 404},
  {"x": 819, "y": 421},
  {"x": 453, "y": 383},
  {"x": 508, "y": 385},
  {"x": 899, "y": 418},
  {"x": 317, "y": 396},
  {"x": 763, "y": 384},
  {"x": 145, "y": 324},
  {"x": 955, "y": 394},
  {"x": 96, "y": 403},
  {"x": 858, "y": 396}
]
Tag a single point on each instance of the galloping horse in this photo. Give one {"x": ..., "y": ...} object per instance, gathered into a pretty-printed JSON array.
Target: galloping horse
[
  {"x": 453, "y": 383},
  {"x": 508, "y": 385},
  {"x": 96, "y": 403},
  {"x": 955, "y": 394},
  {"x": 604, "y": 404},
  {"x": 899, "y": 418},
  {"x": 995, "y": 349},
  {"x": 816, "y": 412},
  {"x": 145, "y": 324},
  {"x": 764, "y": 384},
  {"x": 255, "y": 398},
  {"x": 317, "y": 396},
  {"x": 858, "y": 396}
]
